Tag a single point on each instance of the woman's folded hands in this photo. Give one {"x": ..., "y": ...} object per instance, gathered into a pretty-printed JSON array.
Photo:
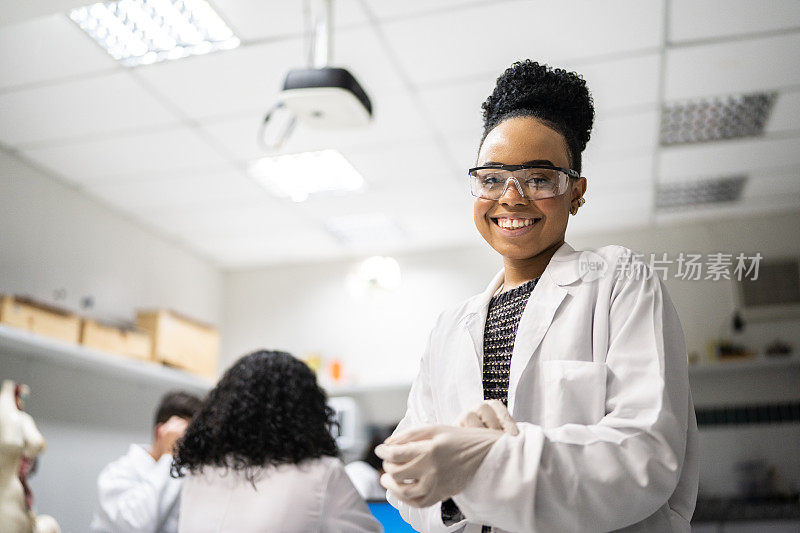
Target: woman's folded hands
[{"x": 432, "y": 463}]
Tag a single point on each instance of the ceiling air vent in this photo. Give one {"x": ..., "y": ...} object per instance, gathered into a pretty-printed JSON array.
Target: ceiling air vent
[
  {"x": 699, "y": 192},
  {"x": 713, "y": 119}
]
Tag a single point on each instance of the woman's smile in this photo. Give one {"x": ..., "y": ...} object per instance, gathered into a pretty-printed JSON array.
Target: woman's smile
[{"x": 514, "y": 226}]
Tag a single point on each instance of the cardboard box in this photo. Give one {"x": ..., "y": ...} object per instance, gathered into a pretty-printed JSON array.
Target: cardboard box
[
  {"x": 132, "y": 343},
  {"x": 40, "y": 318},
  {"x": 181, "y": 342}
]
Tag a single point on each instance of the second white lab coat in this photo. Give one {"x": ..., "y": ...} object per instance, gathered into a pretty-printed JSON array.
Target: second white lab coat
[
  {"x": 599, "y": 388},
  {"x": 366, "y": 480},
  {"x": 137, "y": 495},
  {"x": 315, "y": 496}
]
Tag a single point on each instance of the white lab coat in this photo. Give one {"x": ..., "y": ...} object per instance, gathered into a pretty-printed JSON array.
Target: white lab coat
[
  {"x": 314, "y": 496},
  {"x": 137, "y": 495},
  {"x": 599, "y": 388},
  {"x": 366, "y": 480}
]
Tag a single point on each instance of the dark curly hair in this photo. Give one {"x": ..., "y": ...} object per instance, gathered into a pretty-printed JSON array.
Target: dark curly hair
[
  {"x": 266, "y": 410},
  {"x": 558, "y": 98}
]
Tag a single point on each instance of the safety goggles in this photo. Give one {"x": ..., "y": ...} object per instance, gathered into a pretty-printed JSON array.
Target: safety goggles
[{"x": 535, "y": 182}]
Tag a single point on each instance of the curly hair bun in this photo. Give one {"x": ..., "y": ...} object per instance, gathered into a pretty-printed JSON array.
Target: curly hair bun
[{"x": 556, "y": 96}]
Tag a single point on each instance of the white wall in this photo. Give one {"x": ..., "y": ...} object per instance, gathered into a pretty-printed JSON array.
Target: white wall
[
  {"x": 306, "y": 308},
  {"x": 52, "y": 237}
]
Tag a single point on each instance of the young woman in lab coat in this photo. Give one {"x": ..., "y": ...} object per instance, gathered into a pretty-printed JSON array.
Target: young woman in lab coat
[
  {"x": 260, "y": 456},
  {"x": 557, "y": 399}
]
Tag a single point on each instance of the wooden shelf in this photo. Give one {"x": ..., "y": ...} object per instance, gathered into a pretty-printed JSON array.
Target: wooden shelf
[
  {"x": 756, "y": 364},
  {"x": 23, "y": 344}
]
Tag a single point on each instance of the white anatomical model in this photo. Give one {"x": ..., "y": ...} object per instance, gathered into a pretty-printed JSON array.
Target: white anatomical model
[{"x": 20, "y": 443}]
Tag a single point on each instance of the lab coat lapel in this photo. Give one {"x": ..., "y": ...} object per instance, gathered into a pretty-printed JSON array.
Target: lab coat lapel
[
  {"x": 542, "y": 305},
  {"x": 474, "y": 321}
]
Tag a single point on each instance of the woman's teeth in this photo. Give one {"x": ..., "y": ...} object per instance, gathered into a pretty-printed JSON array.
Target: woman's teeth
[{"x": 513, "y": 223}]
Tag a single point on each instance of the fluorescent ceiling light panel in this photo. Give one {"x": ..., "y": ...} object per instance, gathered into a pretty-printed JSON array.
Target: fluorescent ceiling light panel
[
  {"x": 140, "y": 32},
  {"x": 729, "y": 117},
  {"x": 298, "y": 176},
  {"x": 369, "y": 229},
  {"x": 699, "y": 192}
]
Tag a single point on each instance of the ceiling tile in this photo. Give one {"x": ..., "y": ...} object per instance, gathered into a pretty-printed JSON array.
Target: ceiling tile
[
  {"x": 389, "y": 9},
  {"x": 436, "y": 225},
  {"x": 438, "y": 215},
  {"x": 622, "y": 133},
  {"x": 257, "y": 19},
  {"x": 732, "y": 68},
  {"x": 14, "y": 12},
  {"x": 456, "y": 107},
  {"x": 73, "y": 109},
  {"x": 127, "y": 155},
  {"x": 391, "y": 199},
  {"x": 786, "y": 113},
  {"x": 772, "y": 183},
  {"x": 728, "y": 157},
  {"x": 280, "y": 247},
  {"x": 457, "y": 44},
  {"x": 464, "y": 151},
  {"x": 46, "y": 49},
  {"x": 751, "y": 206},
  {"x": 184, "y": 190},
  {"x": 406, "y": 165},
  {"x": 238, "y": 136},
  {"x": 692, "y": 20},
  {"x": 223, "y": 83},
  {"x": 606, "y": 178},
  {"x": 255, "y": 231},
  {"x": 364, "y": 54},
  {"x": 254, "y": 216},
  {"x": 370, "y": 200},
  {"x": 630, "y": 207},
  {"x": 621, "y": 84}
]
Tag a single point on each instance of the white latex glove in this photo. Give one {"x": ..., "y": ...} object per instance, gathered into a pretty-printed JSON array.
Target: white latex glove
[
  {"x": 430, "y": 464},
  {"x": 490, "y": 414}
]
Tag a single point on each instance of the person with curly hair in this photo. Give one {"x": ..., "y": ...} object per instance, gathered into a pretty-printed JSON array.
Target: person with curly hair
[
  {"x": 557, "y": 399},
  {"x": 260, "y": 456}
]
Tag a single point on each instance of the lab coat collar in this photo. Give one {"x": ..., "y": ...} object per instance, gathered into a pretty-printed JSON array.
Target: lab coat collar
[
  {"x": 550, "y": 291},
  {"x": 138, "y": 455},
  {"x": 563, "y": 269}
]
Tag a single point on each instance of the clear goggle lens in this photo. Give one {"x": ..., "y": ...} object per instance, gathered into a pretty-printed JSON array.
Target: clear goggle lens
[{"x": 533, "y": 183}]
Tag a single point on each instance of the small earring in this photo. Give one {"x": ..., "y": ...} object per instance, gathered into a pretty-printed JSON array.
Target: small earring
[{"x": 574, "y": 208}]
